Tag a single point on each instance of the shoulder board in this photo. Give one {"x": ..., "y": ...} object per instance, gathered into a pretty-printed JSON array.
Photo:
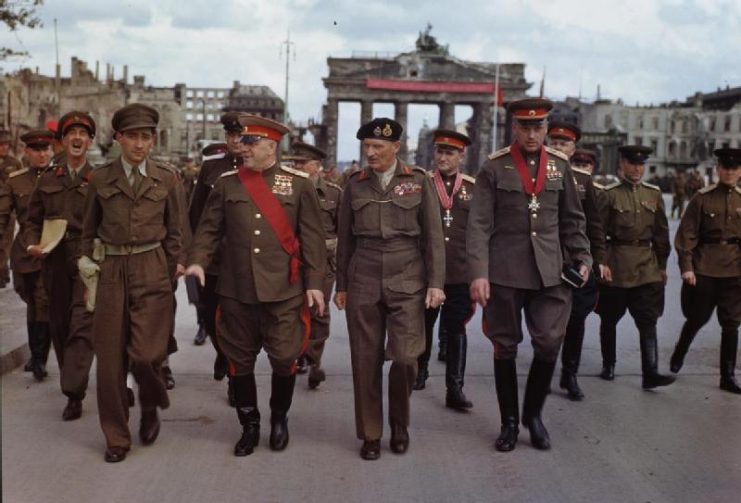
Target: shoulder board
[
  {"x": 19, "y": 172},
  {"x": 613, "y": 185},
  {"x": 212, "y": 157},
  {"x": 421, "y": 170},
  {"x": 229, "y": 173},
  {"x": 468, "y": 178},
  {"x": 710, "y": 187},
  {"x": 499, "y": 153},
  {"x": 294, "y": 172},
  {"x": 431, "y": 174},
  {"x": 582, "y": 171},
  {"x": 557, "y": 153},
  {"x": 651, "y": 186},
  {"x": 598, "y": 186},
  {"x": 333, "y": 185},
  {"x": 167, "y": 166},
  {"x": 738, "y": 190}
]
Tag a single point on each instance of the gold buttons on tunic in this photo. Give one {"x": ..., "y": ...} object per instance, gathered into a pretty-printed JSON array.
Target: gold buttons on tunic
[
  {"x": 534, "y": 233},
  {"x": 256, "y": 250},
  {"x": 258, "y": 215},
  {"x": 257, "y": 232}
]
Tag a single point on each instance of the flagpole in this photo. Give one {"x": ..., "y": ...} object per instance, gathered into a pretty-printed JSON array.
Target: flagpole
[{"x": 496, "y": 109}]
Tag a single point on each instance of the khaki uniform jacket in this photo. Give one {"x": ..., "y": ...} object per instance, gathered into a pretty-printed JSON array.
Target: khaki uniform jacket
[
  {"x": 589, "y": 198},
  {"x": 118, "y": 216},
  {"x": 58, "y": 196},
  {"x": 329, "y": 201},
  {"x": 8, "y": 165},
  {"x": 637, "y": 233},
  {"x": 254, "y": 267},
  {"x": 510, "y": 245},
  {"x": 6, "y": 208},
  {"x": 708, "y": 240},
  {"x": 405, "y": 211},
  {"x": 454, "y": 233},
  {"x": 21, "y": 184}
]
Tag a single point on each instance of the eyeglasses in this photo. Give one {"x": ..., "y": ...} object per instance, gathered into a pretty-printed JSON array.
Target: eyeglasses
[{"x": 249, "y": 139}]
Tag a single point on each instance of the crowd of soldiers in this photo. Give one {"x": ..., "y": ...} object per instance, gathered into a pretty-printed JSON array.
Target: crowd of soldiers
[{"x": 264, "y": 239}]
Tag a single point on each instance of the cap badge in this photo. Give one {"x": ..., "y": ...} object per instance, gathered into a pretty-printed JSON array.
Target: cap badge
[
  {"x": 387, "y": 131},
  {"x": 531, "y": 113},
  {"x": 377, "y": 131}
]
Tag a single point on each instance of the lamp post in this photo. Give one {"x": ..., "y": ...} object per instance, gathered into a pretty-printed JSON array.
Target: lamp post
[{"x": 203, "y": 114}]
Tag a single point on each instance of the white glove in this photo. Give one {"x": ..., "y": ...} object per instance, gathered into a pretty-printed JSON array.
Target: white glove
[{"x": 87, "y": 267}]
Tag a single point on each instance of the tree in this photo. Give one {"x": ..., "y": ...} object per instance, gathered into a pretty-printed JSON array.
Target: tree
[{"x": 17, "y": 14}]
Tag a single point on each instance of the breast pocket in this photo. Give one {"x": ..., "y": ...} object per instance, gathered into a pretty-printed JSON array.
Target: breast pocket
[
  {"x": 405, "y": 212},
  {"x": 366, "y": 214},
  {"x": 53, "y": 197},
  {"x": 623, "y": 214},
  {"x": 551, "y": 193}
]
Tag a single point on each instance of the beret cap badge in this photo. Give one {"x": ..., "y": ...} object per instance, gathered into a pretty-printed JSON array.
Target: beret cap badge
[
  {"x": 387, "y": 131},
  {"x": 377, "y": 131}
]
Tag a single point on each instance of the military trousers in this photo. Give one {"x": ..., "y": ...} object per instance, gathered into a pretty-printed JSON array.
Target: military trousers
[
  {"x": 383, "y": 324},
  {"x": 320, "y": 324},
  {"x": 5, "y": 244},
  {"x": 281, "y": 328},
  {"x": 644, "y": 302},
  {"x": 30, "y": 288},
  {"x": 546, "y": 313},
  {"x": 131, "y": 326},
  {"x": 699, "y": 301}
]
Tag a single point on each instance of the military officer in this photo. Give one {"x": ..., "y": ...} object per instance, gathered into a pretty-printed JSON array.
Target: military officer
[
  {"x": 270, "y": 275},
  {"x": 308, "y": 158},
  {"x": 637, "y": 251},
  {"x": 454, "y": 192},
  {"x": 525, "y": 222},
  {"x": 563, "y": 137},
  {"x": 679, "y": 194},
  {"x": 60, "y": 194},
  {"x": 8, "y": 164},
  {"x": 217, "y": 160},
  {"x": 27, "y": 277},
  {"x": 390, "y": 266},
  {"x": 708, "y": 243},
  {"x": 133, "y": 208}
]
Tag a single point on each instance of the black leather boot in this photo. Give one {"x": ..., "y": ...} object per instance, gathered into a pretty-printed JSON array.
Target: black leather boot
[
  {"x": 570, "y": 358},
  {"x": 201, "y": 335},
  {"x": 422, "y": 375},
  {"x": 505, "y": 379},
  {"x": 683, "y": 345},
  {"x": 538, "y": 383},
  {"x": 455, "y": 370},
  {"x": 728, "y": 349},
  {"x": 28, "y": 367},
  {"x": 40, "y": 349},
  {"x": 280, "y": 401},
  {"x": 650, "y": 360},
  {"x": 608, "y": 345},
  {"x": 221, "y": 366},
  {"x": 245, "y": 396},
  {"x": 442, "y": 344}
]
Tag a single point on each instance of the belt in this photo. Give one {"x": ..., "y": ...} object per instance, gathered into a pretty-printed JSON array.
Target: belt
[
  {"x": 629, "y": 242},
  {"x": 130, "y": 249},
  {"x": 719, "y": 241},
  {"x": 390, "y": 244}
]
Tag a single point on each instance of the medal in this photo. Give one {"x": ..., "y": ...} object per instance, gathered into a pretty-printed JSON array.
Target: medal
[
  {"x": 531, "y": 186},
  {"x": 448, "y": 218},
  {"x": 447, "y": 201},
  {"x": 534, "y": 204}
]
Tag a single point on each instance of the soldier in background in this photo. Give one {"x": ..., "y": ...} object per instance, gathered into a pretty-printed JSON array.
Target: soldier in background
[
  {"x": 133, "y": 208},
  {"x": 189, "y": 173},
  {"x": 679, "y": 193},
  {"x": 525, "y": 222},
  {"x": 27, "y": 277},
  {"x": 390, "y": 266},
  {"x": 637, "y": 252},
  {"x": 308, "y": 158},
  {"x": 708, "y": 243},
  {"x": 60, "y": 194},
  {"x": 454, "y": 192},
  {"x": 8, "y": 164},
  {"x": 694, "y": 183},
  {"x": 563, "y": 136}
]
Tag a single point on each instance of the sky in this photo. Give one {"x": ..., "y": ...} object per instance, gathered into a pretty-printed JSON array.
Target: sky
[{"x": 642, "y": 51}]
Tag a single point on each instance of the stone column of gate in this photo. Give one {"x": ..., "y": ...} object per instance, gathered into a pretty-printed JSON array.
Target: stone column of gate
[
  {"x": 481, "y": 131},
  {"x": 400, "y": 116},
  {"x": 330, "y": 120},
  {"x": 447, "y": 115},
  {"x": 366, "y": 115}
]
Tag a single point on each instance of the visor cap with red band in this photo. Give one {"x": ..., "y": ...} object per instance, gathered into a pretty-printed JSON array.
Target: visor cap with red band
[
  {"x": 530, "y": 109},
  {"x": 214, "y": 149},
  {"x": 635, "y": 154},
  {"x": 255, "y": 127},
  {"x": 75, "y": 118},
  {"x": 450, "y": 138},
  {"x": 135, "y": 116},
  {"x": 564, "y": 130},
  {"x": 582, "y": 155},
  {"x": 728, "y": 157},
  {"x": 301, "y": 151},
  {"x": 380, "y": 129},
  {"x": 38, "y": 138}
]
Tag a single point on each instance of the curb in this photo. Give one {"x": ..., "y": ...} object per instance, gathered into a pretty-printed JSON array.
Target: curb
[{"x": 14, "y": 359}]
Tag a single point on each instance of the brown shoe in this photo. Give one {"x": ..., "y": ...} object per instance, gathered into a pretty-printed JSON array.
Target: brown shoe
[
  {"x": 149, "y": 427},
  {"x": 371, "y": 450},
  {"x": 73, "y": 410},
  {"x": 115, "y": 454}
]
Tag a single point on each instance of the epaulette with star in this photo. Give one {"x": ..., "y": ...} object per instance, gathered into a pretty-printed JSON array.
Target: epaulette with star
[
  {"x": 582, "y": 171},
  {"x": 598, "y": 186},
  {"x": 229, "y": 173},
  {"x": 468, "y": 178},
  {"x": 613, "y": 185},
  {"x": 333, "y": 185},
  {"x": 557, "y": 153},
  {"x": 651, "y": 186},
  {"x": 499, "y": 153},
  {"x": 293, "y": 171},
  {"x": 18, "y": 173},
  {"x": 220, "y": 155},
  {"x": 709, "y": 188}
]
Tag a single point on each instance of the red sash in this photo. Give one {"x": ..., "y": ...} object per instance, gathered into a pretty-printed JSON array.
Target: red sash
[
  {"x": 531, "y": 188},
  {"x": 274, "y": 214},
  {"x": 442, "y": 194}
]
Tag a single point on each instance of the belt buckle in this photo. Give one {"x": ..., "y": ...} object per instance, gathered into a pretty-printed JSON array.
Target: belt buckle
[{"x": 129, "y": 249}]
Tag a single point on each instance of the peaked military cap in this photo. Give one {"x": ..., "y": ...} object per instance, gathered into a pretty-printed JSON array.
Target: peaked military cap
[
  {"x": 564, "y": 130},
  {"x": 450, "y": 138},
  {"x": 75, "y": 118},
  {"x": 38, "y": 138},
  {"x": 636, "y": 154},
  {"x": 230, "y": 121},
  {"x": 255, "y": 127},
  {"x": 214, "y": 149},
  {"x": 135, "y": 116},
  {"x": 380, "y": 129},
  {"x": 728, "y": 157},
  {"x": 585, "y": 156},
  {"x": 530, "y": 109},
  {"x": 304, "y": 152}
]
